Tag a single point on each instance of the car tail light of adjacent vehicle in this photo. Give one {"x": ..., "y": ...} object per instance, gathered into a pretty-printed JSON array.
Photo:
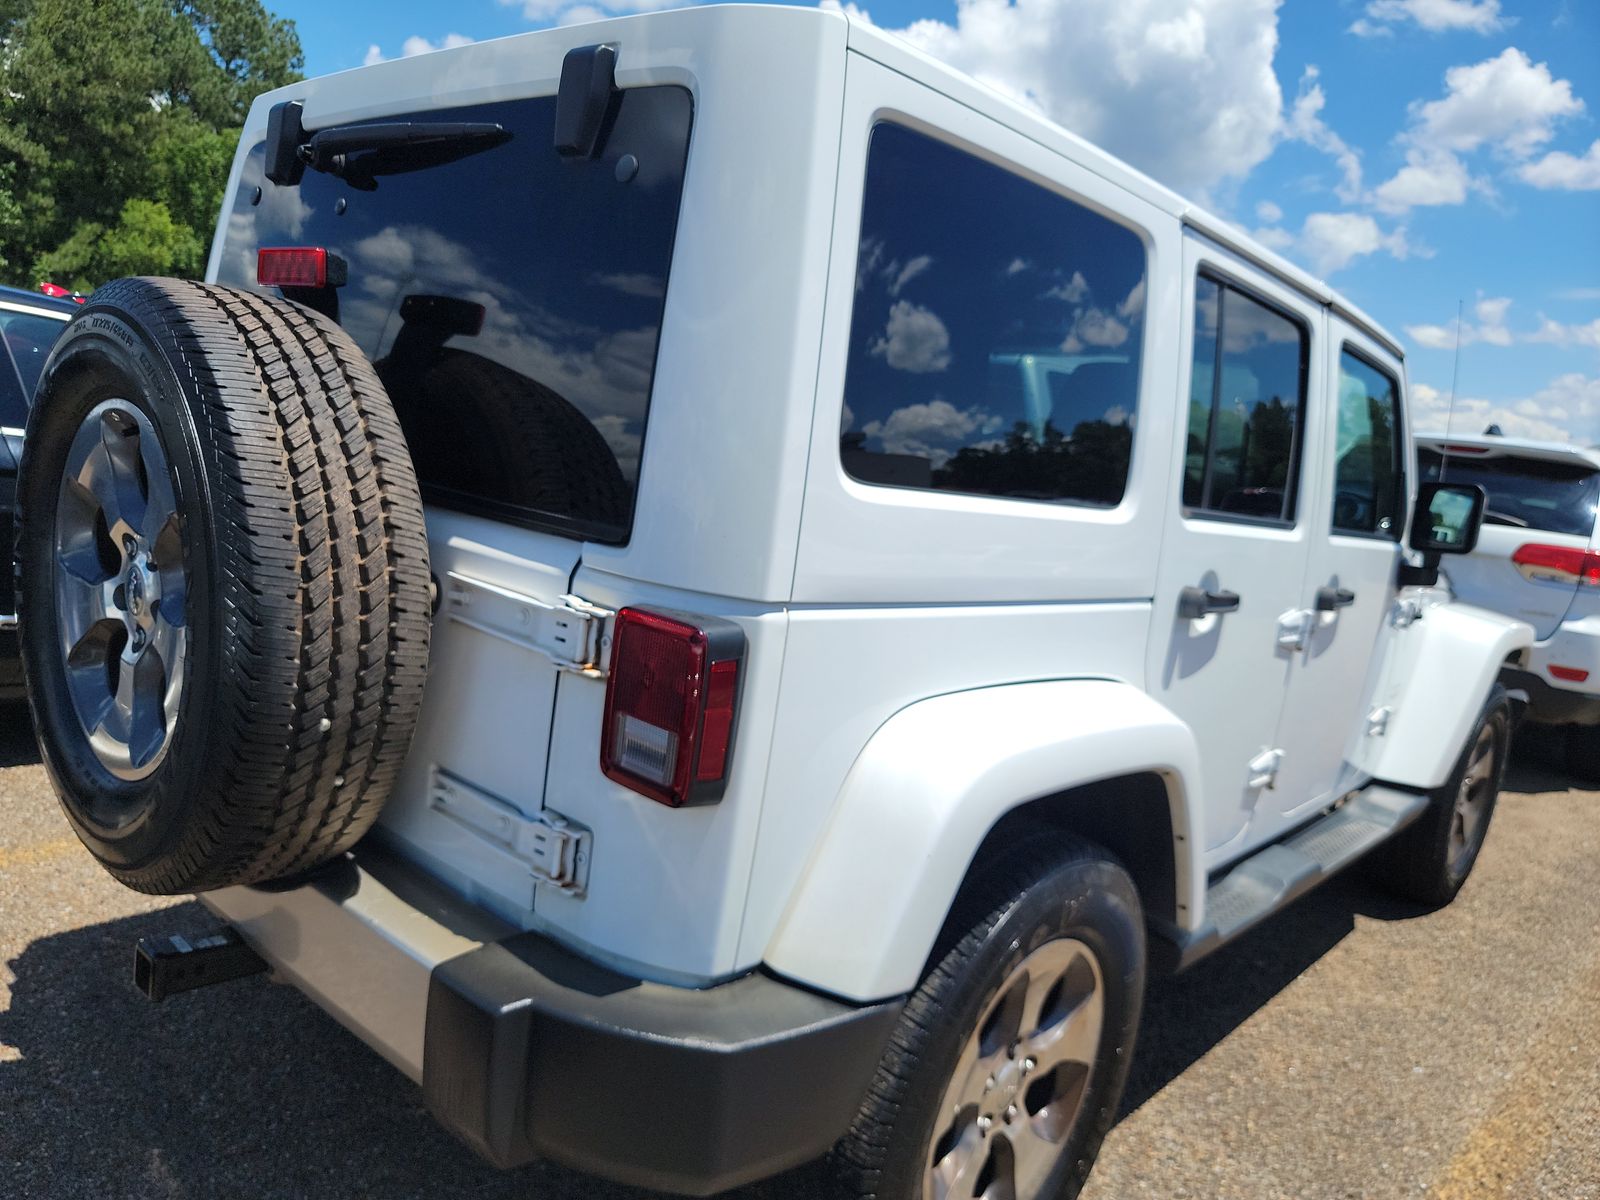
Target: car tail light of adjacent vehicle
[
  {"x": 671, "y": 700},
  {"x": 1558, "y": 564}
]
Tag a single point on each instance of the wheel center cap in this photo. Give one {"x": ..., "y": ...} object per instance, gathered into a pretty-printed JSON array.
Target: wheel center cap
[{"x": 136, "y": 590}]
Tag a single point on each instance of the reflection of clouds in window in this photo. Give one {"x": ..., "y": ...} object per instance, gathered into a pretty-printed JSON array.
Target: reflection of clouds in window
[
  {"x": 1074, "y": 291},
  {"x": 1133, "y": 306},
  {"x": 603, "y": 376},
  {"x": 1017, "y": 266},
  {"x": 915, "y": 340},
  {"x": 869, "y": 259},
  {"x": 1115, "y": 415},
  {"x": 634, "y": 284},
  {"x": 934, "y": 430},
  {"x": 849, "y": 416},
  {"x": 1251, "y": 326},
  {"x": 624, "y": 443},
  {"x": 1092, "y": 327},
  {"x": 910, "y": 271}
]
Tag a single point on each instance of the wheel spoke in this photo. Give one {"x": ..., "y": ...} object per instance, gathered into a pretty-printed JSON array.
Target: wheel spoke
[
  {"x": 955, "y": 1176},
  {"x": 1073, "y": 1039},
  {"x": 111, "y": 471}
]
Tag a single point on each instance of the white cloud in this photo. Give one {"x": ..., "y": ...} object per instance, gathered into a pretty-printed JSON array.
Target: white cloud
[
  {"x": 1578, "y": 293},
  {"x": 1332, "y": 240},
  {"x": 915, "y": 340},
  {"x": 1017, "y": 266},
  {"x": 1305, "y": 124},
  {"x": 1567, "y": 172},
  {"x": 1269, "y": 212},
  {"x": 1508, "y": 104},
  {"x": 416, "y": 45},
  {"x": 1556, "y": 334},
  {"x": 1426, "y": 179},
  {"x": 1436, "y": 16},
  {"x": 1183, "y": 89},
  {"x": 1566, "y": 409},
  {"x": 1490, "y": 328}
]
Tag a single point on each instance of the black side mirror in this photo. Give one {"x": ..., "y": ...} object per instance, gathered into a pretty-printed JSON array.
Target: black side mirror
[{"x": 1447, "y": 519}]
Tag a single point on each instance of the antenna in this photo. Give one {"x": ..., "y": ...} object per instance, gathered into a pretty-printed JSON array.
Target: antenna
[{"x": 1455, "y": 376}]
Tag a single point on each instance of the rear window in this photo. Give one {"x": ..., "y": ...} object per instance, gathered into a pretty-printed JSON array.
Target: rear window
[
  {"x": 511, "y": 301},
  {"x": 1529, "y": 493}
]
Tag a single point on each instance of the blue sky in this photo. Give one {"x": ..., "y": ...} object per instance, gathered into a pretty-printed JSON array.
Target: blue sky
[{"x": 1417, "y": 153}]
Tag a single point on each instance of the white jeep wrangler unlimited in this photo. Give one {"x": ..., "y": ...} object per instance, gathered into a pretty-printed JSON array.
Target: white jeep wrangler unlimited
[{"x": 885, "y": 575}]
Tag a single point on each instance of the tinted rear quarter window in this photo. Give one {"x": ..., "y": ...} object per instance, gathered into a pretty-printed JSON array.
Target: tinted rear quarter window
[
  {"x": 511, "y": 300},
  {"x": 1529, "y": 493},
  {"x": 996, "y": 333}
]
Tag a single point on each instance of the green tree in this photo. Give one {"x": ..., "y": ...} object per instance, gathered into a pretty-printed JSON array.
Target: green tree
[
  {"x": 145, "y": 240},
  {"x": 108, "y": 102}
]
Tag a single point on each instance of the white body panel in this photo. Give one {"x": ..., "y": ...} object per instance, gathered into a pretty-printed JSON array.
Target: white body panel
[
  {"x": 918, "y": 663},
  {"x": 922, "y": 795},
  {"x": 1453, "y": 651}
]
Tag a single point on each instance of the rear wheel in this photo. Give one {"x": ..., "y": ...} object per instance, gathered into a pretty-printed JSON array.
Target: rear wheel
[
  {"x": 224, "y": 585},
  {"x": 1009, "y": 1062}
]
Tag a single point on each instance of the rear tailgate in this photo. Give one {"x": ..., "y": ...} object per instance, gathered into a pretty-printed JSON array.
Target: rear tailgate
[
  {"x": 510, "y": 297},
  {"x": 1539, "y": 524}
]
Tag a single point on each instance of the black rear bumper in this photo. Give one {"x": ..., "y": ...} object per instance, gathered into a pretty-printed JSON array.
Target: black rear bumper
[{"x": 533, "y": 1052}]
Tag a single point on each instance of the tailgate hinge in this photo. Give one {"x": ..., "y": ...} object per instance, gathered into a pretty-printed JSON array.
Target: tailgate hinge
[
  {"x": 571, "y": 634},
  {"x": 556, "y": 850}
]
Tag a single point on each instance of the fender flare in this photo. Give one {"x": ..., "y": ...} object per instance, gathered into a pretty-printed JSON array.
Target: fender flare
[
  {"x": 1447, "y": 662},
  {"x": 926, "y": 790}
]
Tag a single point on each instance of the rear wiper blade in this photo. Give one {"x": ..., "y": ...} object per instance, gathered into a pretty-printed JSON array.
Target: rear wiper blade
[
  {"x": 327, "y": 145},
  {"x": 360, "y": 153}
]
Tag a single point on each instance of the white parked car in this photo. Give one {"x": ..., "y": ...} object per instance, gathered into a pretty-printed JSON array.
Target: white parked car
[
  {"x": 720, "y": 593},
  {"x": 1538, "y": 560}
]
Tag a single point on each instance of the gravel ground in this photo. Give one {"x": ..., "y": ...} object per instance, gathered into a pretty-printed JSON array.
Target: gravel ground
[{"x": 1351, "y": 1047}]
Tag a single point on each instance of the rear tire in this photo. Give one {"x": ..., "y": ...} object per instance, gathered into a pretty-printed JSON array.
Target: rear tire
[
  {"x": 1043, "y": 958},
  {"x": 1430, "y": 861},
  {"x": 270, "y": 704}
]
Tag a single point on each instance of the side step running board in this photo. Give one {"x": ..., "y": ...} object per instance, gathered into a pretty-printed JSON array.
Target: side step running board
[{"x": 1275, "y": 875}]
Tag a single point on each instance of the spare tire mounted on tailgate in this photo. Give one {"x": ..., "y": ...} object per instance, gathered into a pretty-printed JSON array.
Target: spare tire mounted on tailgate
[{"x": 223, "y": 585}]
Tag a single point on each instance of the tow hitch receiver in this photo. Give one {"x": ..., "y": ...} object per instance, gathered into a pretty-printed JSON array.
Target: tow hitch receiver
[{"x": 166, "y": 965}]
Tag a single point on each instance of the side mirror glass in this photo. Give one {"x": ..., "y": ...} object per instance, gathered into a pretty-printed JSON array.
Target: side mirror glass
[{"x": 1447, "y": 518}]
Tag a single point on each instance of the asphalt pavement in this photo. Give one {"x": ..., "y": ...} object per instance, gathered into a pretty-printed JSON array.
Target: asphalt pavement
[{"x": 1352, "y": 1047}]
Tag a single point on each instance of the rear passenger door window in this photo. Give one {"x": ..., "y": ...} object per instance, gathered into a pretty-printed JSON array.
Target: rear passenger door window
[
  {"x": 989, "y": 357},
  {"x": 1368, "y": 477},
  {"x": 1246, "y": 407}
]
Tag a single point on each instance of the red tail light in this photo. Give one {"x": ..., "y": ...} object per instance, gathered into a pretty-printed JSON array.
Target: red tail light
[
  {"x": 1558, "y": 564},
  {"x": 299, "y": 267},
  {"x": 670, "y": 704},
  {"x": 1570, "y": 674}
]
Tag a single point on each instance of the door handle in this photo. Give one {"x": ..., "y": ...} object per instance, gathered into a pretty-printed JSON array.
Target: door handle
[
  {"x": 1194, "y": 603},
  {"x": 1331, "y": 599}
]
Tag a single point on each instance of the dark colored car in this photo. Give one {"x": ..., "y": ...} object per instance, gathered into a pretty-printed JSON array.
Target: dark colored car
[{"x": 29, "y": 326}]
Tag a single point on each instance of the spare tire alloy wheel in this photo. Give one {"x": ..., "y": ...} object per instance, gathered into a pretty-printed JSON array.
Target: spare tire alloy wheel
[
  {"x": 120, "y": 589},
  {"x": 1019, "y": 1086},
  {"x": 223, "y": 577}
]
